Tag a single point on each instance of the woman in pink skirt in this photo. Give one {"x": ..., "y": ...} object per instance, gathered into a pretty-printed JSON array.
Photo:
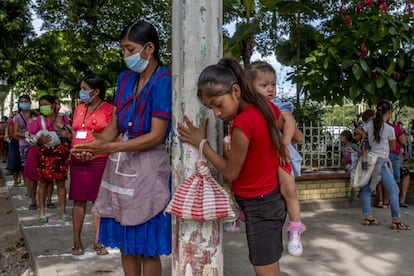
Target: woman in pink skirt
[
  {"x": 94, "y": 114},
  {"x": 30, "y": 173}
]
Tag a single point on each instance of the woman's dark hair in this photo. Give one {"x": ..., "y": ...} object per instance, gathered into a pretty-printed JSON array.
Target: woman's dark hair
[
  {"x": 367, "y": 114},
  {"x": 348, "y": 135},
  {"x": 142, "y": 32},
  {"x": 51, "y": 99},
  {"x": 227, "y": 73},
  {"x": 382, "y": 108},
  {"x": 96, "y": 82},
  {"x": 24, "y": 96},
  {"x": 254, "y": 68}
]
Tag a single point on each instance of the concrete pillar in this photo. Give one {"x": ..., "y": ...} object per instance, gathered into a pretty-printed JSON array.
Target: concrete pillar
[{"x": 197, "y": 43}]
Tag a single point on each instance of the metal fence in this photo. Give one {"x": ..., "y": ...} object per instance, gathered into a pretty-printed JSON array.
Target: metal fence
[{"x": 321, "y": 147}]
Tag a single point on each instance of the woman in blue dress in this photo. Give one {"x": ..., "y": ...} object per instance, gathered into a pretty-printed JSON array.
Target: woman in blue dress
[{"x": 135, "y": 187}]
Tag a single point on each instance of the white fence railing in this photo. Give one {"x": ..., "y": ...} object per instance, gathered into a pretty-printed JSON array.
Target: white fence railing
[{"x": 321, "y": 147}]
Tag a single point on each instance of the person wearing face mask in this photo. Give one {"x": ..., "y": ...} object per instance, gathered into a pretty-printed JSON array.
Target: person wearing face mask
[
  {"x": 53, "y": 136},
  {"x": 137, "y": 173},
  {"x": 14, "y": 164},
  {"x": 20, "y": 127},
  {"x": 93, "y": 114}
]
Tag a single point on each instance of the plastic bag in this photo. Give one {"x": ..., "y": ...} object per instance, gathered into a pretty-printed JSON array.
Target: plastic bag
[{"x": 360, "y": 177}]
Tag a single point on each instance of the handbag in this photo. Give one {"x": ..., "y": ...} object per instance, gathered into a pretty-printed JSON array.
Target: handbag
[
  {"x": 360, "y": 177},
  {"x": 200, "y": 197}
]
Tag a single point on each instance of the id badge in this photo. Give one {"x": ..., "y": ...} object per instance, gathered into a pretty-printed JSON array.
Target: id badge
[{"x": 81, "y": 134}]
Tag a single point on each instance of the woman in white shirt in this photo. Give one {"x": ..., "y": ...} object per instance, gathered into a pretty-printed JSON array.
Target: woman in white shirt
[{"x": 381, "y": 138}]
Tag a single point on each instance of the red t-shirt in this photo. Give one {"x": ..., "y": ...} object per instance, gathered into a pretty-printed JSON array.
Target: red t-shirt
[
  {"x": 258, "y": 175},
  {"x": 398, "y": 132}
]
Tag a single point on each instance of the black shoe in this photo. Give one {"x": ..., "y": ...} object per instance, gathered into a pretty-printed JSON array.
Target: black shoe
[{"x": 403, "y": 205}]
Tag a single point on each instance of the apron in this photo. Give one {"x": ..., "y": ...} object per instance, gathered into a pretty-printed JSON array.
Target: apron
[{"x": 134, "y": 187}]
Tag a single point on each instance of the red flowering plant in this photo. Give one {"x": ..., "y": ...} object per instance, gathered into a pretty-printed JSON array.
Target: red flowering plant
[{"x": 367, "y": 55}]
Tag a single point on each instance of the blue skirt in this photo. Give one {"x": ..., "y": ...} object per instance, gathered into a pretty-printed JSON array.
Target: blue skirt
[
  {"x": 150, "y": 239},
  {"x": 14, "y": 163}
]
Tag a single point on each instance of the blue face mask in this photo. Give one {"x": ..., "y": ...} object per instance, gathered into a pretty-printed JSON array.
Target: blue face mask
[
  {"x": 135, "y": 62},
  {"x": 85, "y": 96},
  {"x": 24, "y": 106}
]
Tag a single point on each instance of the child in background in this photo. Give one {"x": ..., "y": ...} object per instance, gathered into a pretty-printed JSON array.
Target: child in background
[
  {"x": 350, "y": 152},
  {"x": 348, "y": 148},
  {"x": 360, "y": 135},
  {"x": 263, "y": 78}
]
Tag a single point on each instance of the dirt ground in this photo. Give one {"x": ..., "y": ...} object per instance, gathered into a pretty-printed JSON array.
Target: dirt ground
[{"x": 14, "y": 258}]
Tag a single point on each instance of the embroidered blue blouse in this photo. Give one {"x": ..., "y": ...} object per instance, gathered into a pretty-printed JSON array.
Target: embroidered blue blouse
[{"x": 134, "y": 113}]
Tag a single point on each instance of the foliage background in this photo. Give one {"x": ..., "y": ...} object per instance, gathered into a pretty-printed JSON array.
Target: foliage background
[{"x": 80, "y": 37}]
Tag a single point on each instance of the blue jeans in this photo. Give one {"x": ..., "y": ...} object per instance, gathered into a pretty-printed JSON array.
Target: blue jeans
[
  {"x": 396, "y": 166},
  {"x": 390, "y": 185}
]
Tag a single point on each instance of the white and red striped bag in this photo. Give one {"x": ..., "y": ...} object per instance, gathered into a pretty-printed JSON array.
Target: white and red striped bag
[{"x": 200, "y": 197}]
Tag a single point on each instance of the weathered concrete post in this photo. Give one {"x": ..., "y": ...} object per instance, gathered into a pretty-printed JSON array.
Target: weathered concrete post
[{"x": 197, "y": 43}]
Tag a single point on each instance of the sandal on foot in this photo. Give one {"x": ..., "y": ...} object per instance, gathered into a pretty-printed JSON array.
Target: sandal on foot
[
  {"x": 400, "y": 226},
  {"x": 43, "y": 219},
  {"x": 403, "y": 205},
  {"x": 100, "y": 250},
  {"x": 77, "y": 250},
  {"x": 66, "y": 217},
  {"x": 51, "y": 205},
  {"x": 371, "y": 222},
  {"x": 33, "y": 206},
  {"x": 380, "y": 204}
]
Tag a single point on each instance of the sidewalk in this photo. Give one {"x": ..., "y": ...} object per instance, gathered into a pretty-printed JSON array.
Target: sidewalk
[{"x": 336, "y": 243}]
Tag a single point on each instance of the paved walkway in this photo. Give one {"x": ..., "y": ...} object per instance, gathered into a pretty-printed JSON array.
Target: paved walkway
[{"x": 336, "y": 243}]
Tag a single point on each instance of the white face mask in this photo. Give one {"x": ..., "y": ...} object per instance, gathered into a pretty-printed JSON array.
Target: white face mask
[{"x": 136, "y": 63}]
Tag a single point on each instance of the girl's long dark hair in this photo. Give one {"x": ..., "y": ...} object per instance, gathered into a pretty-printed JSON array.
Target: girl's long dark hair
[
  {"x": 227, "y": 73},
  {"x": 382, "y": 108}
]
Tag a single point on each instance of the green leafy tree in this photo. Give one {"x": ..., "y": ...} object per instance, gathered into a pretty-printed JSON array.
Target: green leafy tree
[
  {"x": 255, "y": 25},
  {"x": 275, "y": 27},
  {"x": 82, "y": 37},
  {"x": 15, "y": 29},
  {"x": 366, "y": 56}
]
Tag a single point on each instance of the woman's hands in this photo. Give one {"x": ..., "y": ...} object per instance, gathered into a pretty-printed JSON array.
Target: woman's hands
[
  {"x": 89, "y": 150},
  {"x": 65, "y": 133},
  {"x": 191, "y": 134},
  {"x": 43, "y": 139}
]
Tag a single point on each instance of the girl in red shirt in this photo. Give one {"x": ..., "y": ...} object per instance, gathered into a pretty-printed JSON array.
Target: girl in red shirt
[{"x": 252, "y": 164}]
